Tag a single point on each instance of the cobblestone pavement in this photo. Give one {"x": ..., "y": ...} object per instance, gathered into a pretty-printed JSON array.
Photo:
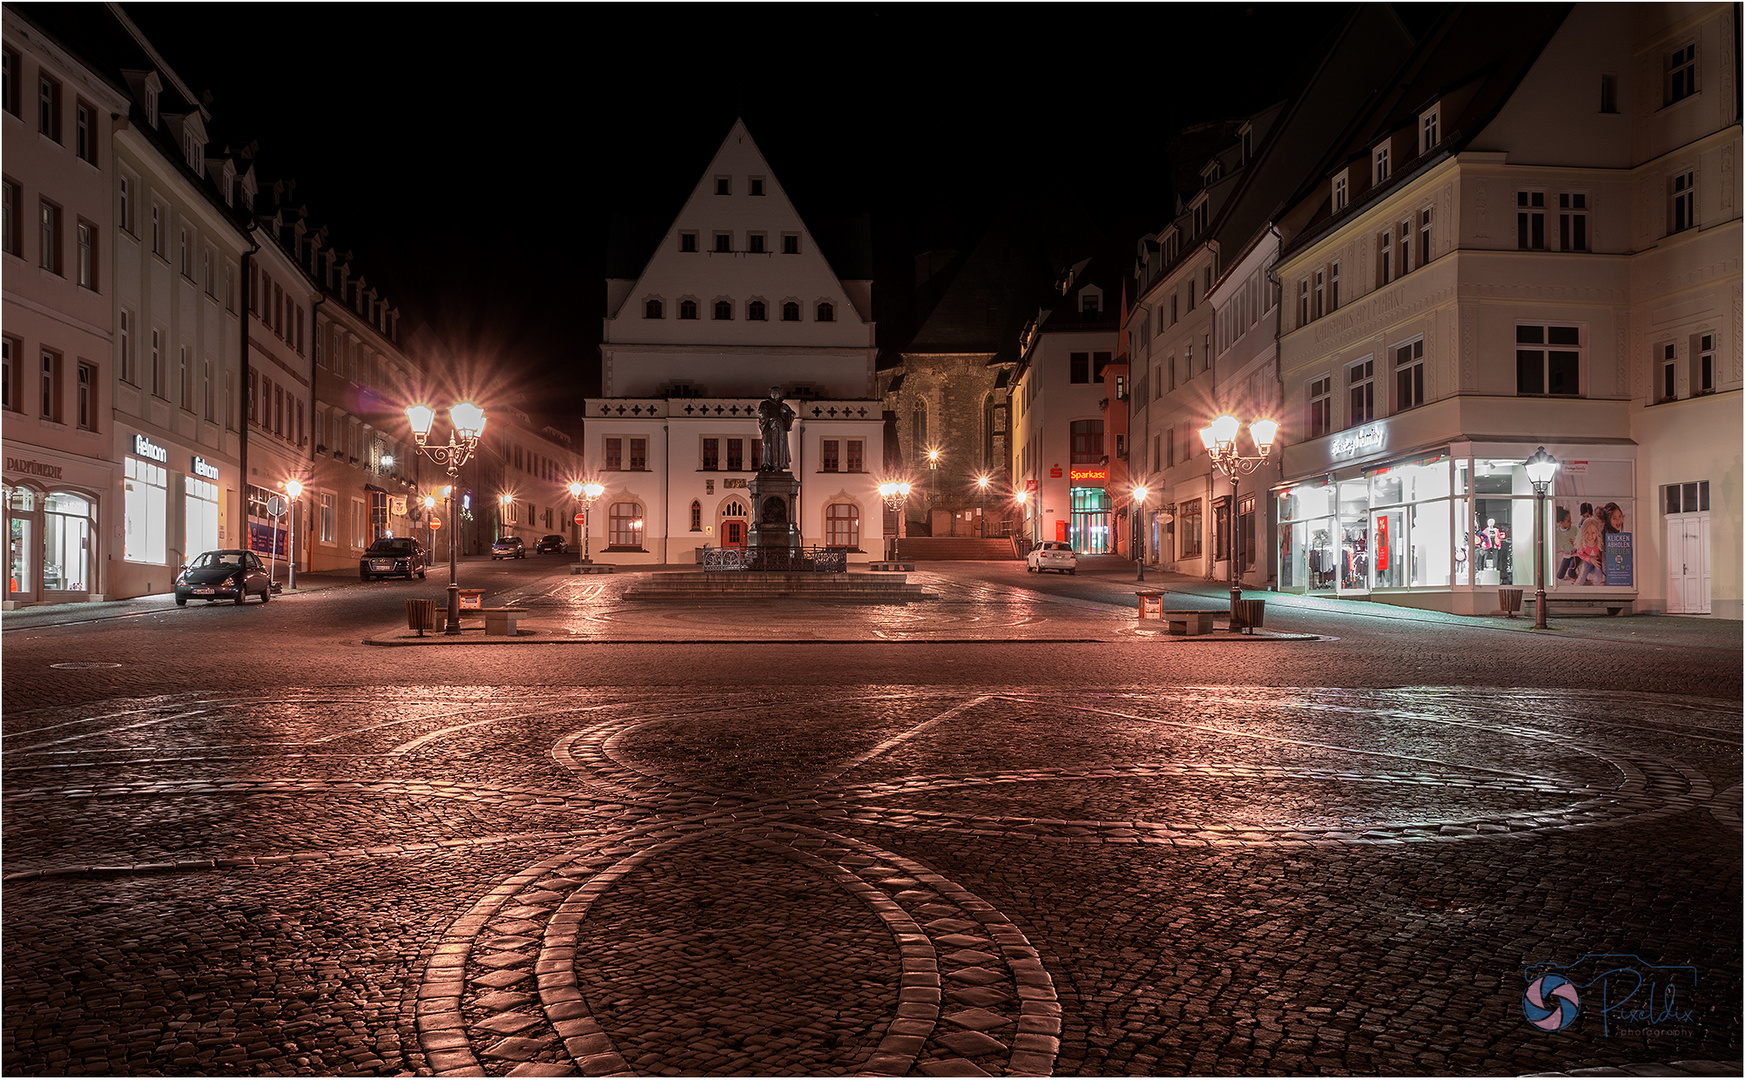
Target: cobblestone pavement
[{"x": 989, "y": 867}]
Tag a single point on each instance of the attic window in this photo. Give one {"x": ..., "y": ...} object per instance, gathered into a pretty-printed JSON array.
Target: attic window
[
  {"x": 193, "y": 150},
  {"x": 1090, "y": 302},
  {"x": 1379, "y": 169},
  {"x": 151, "y": 105},
  {"x": 1339, "y": 193},
  {"x": 1210, "y": 175},
  {"x": 756, "y": 185},
  {"x": 790, "y": 243},
  {"x": 724, "y": 185},
  {"x": 1429, "y": 128}
]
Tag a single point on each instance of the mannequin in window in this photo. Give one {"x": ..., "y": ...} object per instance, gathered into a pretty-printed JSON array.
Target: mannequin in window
[{"x": 1491, "y": 541}]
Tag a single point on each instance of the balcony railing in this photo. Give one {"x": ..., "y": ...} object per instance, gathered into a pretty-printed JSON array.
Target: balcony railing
[{"x": 818, "y": 560}]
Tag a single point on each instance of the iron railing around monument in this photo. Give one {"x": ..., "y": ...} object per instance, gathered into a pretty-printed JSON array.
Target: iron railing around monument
[{"x": 819, "y": 560}]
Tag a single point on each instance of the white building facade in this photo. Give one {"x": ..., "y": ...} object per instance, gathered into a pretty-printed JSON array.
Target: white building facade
[
  {"x": 736, "y": 299},
  {"x": 1543, "y": 252}
]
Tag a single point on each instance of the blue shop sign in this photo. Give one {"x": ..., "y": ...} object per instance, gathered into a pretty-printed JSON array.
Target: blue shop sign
[{"x": 1617, "y": 556}]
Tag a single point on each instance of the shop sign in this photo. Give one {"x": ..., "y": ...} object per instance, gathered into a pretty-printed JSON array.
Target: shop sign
[
  {"x": 145, "y": 448},
  {"x": 1055, "y": 473},
  {"x": 33, "y": 468},
  {"x": 1618, "y": 559},
  {"x": 1088, "y": 474},
  {"x": 397, "y": 505},
  {"x": 202, "y": 467},
  {"x": 1359, "y": 440}
]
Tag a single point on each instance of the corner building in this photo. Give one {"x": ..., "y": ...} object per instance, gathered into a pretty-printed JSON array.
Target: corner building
[
  {"x": 1533, "y": 238},
  {"x": 736, "y": 298}
]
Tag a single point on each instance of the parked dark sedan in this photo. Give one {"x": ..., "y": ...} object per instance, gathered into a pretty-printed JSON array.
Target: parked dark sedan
[
  {"x": 393, "y": 556},
  {"x": 223, "y": 575},
  {"x": 509, "y": 547},
  {"x": 550, "y": 542}
]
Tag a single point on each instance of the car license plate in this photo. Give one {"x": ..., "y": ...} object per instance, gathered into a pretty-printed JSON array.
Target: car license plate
[
  {"x": 201, "y": 592},
  {"x": 381, "y": 564}
]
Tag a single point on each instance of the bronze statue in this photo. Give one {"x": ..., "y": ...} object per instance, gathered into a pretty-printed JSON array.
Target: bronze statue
[{"x": 775, "y": 417}]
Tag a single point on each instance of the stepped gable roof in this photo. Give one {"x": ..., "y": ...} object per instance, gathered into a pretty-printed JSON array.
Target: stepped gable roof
[
  {"x": 1471, "y": 61},
  {"x": 1010, "y": 273}
]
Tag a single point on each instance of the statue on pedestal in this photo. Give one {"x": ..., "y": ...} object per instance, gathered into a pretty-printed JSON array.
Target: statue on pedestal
[{"x": 775, "y": 417}]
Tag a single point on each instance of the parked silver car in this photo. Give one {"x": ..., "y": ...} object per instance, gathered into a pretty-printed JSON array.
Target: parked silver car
[{"x": 1052, "y": 555}]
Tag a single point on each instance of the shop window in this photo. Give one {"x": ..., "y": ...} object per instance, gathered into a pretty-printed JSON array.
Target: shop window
[
  {"x": 625, "y": 525},
  {"x": 843, "y": 525},
  {"x": 1548, "y": 360},
  {"x": 145, "y": 497},
  {"x": 1188, "y": 517}
]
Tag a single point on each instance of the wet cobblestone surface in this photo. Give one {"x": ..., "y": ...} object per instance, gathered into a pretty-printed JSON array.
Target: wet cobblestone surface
[{"x": 546, "y": 866}]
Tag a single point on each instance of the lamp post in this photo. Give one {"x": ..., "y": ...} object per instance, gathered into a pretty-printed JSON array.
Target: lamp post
[
  {"x": 293, "y": 488},
  {"x": 1220, "y": 439},
  {"x": 982, "y": 506},
  {"x": 585, "y": 493},
  {"x": 1140, "y": 494},
  {"x": 933, "y": 482},
  {"x": 896, "y": 494},
  {"x": 429, "y": 533},
  {"x": 1540, "y": 466},
  {"x": 468, "y": 422},
  {"x": 1021, "y": 497},
  {"x": 503, "y": 501}
]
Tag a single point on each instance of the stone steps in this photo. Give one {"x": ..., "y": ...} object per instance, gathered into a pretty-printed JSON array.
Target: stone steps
[
  {"x": 955, "y": 548},
  {"x": 747, "y": 585}
]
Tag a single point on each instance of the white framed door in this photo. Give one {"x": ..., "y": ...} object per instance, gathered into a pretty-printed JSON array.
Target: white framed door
[{"x": 1688, "y": 563}]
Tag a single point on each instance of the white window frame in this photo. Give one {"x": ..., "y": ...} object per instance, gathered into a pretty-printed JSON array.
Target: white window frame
[
  {"x": 1379, "y": 165},
  {"x": 1430, "y": 128},
  {"x": 1319, "y": 391},
  {"x": 1361, "y": 380},
  {"x": 1409, "y": 373}
]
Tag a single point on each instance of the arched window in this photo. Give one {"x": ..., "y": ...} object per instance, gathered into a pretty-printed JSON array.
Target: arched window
[
  {"x": 918, "y": 431},
  {"x": 625, "y": 525},
  {"x": 688, "y": 309},
  {"x": 826, "y": 313},
  {"x": 652, "y": 309},
  {"x": 724, "y": 309},
  {"x": 843, "y": 525},
  {"x": 696, "y": 516},
  {"x": 755, "y": 311},
  {"x": 791, "y": 312}
]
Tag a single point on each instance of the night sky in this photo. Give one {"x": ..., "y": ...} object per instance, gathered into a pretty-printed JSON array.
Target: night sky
[{"x": 472, "y": 155}]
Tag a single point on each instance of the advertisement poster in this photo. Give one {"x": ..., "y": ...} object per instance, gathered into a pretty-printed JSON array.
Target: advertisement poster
[
  {"x": 266, "y": 540},
  {"x": 1591, "y": 524}
]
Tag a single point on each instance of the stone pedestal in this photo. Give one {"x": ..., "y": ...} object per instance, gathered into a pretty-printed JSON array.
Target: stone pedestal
[{"x": 775, "y": 499}]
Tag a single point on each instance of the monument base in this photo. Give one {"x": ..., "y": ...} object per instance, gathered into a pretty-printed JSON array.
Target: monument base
[{"x": 774, "y": 526}]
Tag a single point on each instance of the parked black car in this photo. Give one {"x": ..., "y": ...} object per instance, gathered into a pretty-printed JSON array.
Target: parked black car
[
  {"x": 394, "y": 556},
  {"x": 508, "y": 547},
  {"x": 551, "y": 542},
  {"x": 227, "y": 574}
]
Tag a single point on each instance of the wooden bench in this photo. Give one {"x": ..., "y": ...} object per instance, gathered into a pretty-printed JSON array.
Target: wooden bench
[
  {"x": 500, "y": 621},
  {"x": 1191, "y": 623}
]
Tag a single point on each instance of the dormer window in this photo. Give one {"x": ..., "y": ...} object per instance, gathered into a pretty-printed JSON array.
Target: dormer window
[
  {"x": 1211, "y": 173},
  {"x": 1091, "y": 301},
  {"x": 1202, "y": 214},
  {"x": 194, "y": 150},
  {"x": 1429, "y": 128},
  {"x": 151, "y": 100},
  {"x": 1247, "y": 139},
  {"x": 1340, "y": 193},
  {"x": 1379, "y": 166}
]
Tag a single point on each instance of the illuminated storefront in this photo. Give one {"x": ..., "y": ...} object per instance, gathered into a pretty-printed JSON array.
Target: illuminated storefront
[
  {"x": 1089, "y": 527},
  {"x": 1444, "y": 528}
]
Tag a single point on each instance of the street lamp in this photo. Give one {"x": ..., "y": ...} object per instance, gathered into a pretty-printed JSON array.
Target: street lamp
[
  {"x": 293, "y": 488},
  {"x": 1140, "y": 494},
  {"x": 933, "y": 482},
  {"x": 468, "y": 422},
  {"x": 503, "y": 503},
  {"x": 982, "y": 510},
  {"x": 895, "y": 493},
  {"x": 429, "y": 505},
  {"x": 1540, "y": 466},
  {"x": 585, "y": 493},
  {"x": 1220, "y": 439}
]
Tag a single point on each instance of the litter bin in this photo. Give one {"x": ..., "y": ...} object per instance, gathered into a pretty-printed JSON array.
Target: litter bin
[
  {"x": 421, "y": 615},
  {"x": 1151, "y": 605},
  {"x": 1249, "y": 614},
  {"x": 1509, "y": 601}
]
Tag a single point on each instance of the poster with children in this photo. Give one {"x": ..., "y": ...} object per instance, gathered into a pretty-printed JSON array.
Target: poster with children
[{"x": 1590, "y": 525}]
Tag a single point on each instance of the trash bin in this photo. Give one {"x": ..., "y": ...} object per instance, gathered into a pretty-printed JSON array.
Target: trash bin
[
  {"x": 1151, "y": 605},
  {"x": 1509, "y": 601},
  {"x": 421, "y": 615},
  {"x": 1249, "y": 614}
]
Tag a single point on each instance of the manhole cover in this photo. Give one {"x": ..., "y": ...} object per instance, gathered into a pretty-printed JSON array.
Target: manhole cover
[{"x": 76, "y": 664}]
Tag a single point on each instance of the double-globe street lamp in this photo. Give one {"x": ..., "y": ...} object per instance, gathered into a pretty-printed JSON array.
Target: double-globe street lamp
[
  {"x": 1220, "y": 439},
  {"x": 584, "y": 493},
  {"x": 468, "y": 422},
  {"x": 1540, "y": 467},
  {"x": 896, "y": 494}
]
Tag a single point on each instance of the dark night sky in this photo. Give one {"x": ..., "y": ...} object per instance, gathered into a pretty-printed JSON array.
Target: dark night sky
[{"x": 471, "y": 155}]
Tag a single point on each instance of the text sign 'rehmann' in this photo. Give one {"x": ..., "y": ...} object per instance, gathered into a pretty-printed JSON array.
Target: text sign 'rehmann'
[{"x": 145, "y": 448}]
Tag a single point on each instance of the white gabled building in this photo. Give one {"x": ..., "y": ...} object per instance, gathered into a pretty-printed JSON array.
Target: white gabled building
[{"x": 736, "y": 298}]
